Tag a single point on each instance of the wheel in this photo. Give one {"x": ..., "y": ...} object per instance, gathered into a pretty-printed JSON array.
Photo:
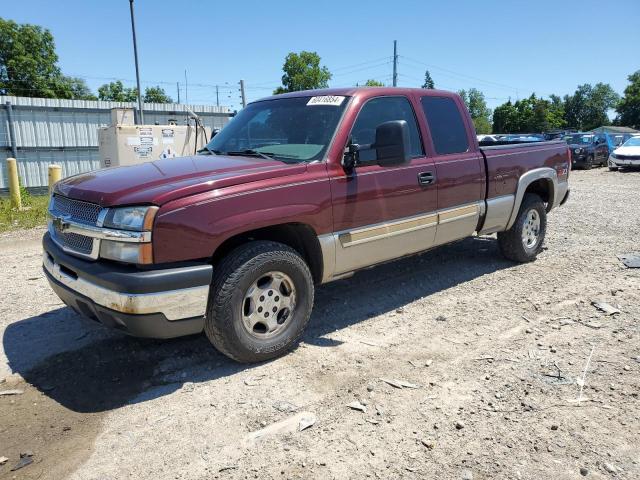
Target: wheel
[
  {"x": 260, "y": 302},
  {"x": 588, "y": 165},
  {"x": 523, "y": 241},
  {"x": 612, "y": 167}
]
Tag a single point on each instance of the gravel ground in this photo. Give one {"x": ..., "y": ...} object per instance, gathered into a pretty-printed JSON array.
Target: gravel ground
[{"x": 491, "y": 355}]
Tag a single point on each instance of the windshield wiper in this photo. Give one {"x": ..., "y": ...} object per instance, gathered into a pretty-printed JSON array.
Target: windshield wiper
[
  {"x": 210, "y": 150},
  {"x": 254, "y": 153}
]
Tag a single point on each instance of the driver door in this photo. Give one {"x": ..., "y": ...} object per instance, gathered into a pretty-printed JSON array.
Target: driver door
[{"x": 381, "y": 213}]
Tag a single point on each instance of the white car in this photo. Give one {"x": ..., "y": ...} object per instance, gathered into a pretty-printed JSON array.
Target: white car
[{"x": 626, "y": 155}]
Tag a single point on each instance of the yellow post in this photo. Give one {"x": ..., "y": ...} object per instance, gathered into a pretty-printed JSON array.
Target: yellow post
[
  {"x": 55, "y": 174},
  {"x": 14, "y": 186}
]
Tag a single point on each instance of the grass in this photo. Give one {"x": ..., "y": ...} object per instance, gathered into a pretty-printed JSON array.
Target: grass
[{"x": 33, "y": 213}]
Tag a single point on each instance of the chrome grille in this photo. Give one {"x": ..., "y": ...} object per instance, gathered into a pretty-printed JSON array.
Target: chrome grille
[
  {"x": 77, "y": 210},
  {"x": 77, "y": 243}
]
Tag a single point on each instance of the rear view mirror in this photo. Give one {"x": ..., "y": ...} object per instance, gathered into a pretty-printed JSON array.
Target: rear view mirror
[{"x": 392, "y": 144}]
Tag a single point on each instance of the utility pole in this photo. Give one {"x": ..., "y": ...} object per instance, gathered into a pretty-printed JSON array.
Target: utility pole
[
  {"x": 395, "y": 63},
  {"x": 135, "y": 54},
  {"x": 217, "y": 96},
  {"x": 178, "y": 87},
  {"x": 186, "y": 88},
  {"x": 242, "y": 95}
]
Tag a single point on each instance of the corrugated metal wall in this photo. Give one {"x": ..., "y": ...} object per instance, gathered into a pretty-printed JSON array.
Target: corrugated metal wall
[{"x": 65, "y": 132}]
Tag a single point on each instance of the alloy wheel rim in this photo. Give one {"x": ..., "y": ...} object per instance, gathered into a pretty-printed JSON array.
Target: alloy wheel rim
[
  {"x": 531, "y": 230},
  {"x": 268, "y": 305}
]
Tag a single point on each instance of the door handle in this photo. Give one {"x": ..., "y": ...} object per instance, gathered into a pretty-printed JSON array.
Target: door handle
[{"x": 426, "y": 178}]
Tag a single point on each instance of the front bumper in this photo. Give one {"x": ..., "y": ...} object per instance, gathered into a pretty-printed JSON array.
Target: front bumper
[
  {"x": 158, "y": 303},
  {"x": 618, "y": 162}
]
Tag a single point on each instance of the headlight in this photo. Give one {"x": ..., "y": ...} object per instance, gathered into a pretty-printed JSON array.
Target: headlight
[
  {"x": 613, "y": 155},
  {"x": 136, "y": 218},
  {"x": 577, "y": 150},
  {"x": 131, "y": 218},
  {"x": 140, "y": 253}
]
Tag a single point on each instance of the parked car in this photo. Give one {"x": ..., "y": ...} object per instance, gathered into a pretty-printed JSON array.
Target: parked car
[
  {"x": 627, "y": 155},
  {"x": 587, "y": 149},
  {"x": 297, "y": 190}
]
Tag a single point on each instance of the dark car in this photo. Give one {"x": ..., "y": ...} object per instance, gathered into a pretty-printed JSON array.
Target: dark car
[{"x": 587, "y": 149}]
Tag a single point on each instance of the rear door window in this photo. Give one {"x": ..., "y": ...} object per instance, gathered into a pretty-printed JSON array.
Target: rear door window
[
  {"x": 447, "y": 128},
  {"x": 380, "y": 110}
]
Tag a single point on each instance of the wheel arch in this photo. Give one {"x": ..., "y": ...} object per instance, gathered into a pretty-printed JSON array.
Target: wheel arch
[
  {"x": 541, "y": 181},
  {"x": 299, "y": 236}
]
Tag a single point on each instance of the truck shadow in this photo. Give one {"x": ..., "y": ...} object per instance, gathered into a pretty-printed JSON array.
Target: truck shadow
[{"x": 87, "y": 368}]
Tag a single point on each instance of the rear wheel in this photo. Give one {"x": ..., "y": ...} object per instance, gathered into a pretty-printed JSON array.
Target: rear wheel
[
  {"x": 523, "y": 241},
  {"x": 260, "y": 302}
]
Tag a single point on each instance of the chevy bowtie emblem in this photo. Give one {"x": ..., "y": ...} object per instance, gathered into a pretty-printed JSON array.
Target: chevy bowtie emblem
[{"x": 61, "y": 223}]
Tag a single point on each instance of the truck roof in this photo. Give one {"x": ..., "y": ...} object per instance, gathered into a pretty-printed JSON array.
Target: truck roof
[{"x": 364, "y": 92}]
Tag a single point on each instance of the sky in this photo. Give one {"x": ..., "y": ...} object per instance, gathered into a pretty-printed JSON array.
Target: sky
[{"x": 506, "y": 49}]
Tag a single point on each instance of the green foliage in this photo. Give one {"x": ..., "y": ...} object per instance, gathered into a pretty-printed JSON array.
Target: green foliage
[
  {"x": 33, "y": 213},
  {"x": 75, "y": 88},
  {"x": 117, "y": 92},
  {"x": 587, "y": 107},
  {"x": 303, "y": 72},
  {"x": 529, "y": 115},
  {"x": 28, "y": 65},
  {"x": 373, "y": 83},
  {"x": 156, "y": 95},
  {"x": 629, "y": 107},
  {"x": 428, "y": 81},
  {"x": 480, "y": 113}
]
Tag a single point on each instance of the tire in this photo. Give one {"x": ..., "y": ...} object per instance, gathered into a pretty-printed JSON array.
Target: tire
[
  {"x": 588, "y": 165},
  {"x": 257, "y": 279},
  {"x": 512, "y": 242},
  {"x": 612, "y": 168}
]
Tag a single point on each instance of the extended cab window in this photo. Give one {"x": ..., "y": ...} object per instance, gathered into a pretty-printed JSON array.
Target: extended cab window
[
  {"x": 446, "y": 125},
  {"x": 294, "y": 129},
  {"x": 380, "y": 110}
]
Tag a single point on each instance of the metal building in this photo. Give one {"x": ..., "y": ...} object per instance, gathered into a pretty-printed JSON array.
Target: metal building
[{"x": 65, "y": 132}]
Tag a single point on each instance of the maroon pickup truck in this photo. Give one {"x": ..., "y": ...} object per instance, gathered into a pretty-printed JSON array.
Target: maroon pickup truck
[{"x": 298, "y": 190}]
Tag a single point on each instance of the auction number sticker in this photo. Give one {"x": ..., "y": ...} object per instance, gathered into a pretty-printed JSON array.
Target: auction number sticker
[{"x": 334, "y": 100}]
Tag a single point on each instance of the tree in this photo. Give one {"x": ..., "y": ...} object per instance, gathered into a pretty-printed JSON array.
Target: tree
[
  {"x": 27, "y": 61},
  {"x": 373, "y": 83},
  {"x": 587, "y": 108},
  {"x": 116, "y": 92},
  {"x": 629, "y": 107},
  {"x": 529, "y": 115},
  {"x": 428, "y": 81},
  {"x": 156, "y": 95},
  {"x": 75, "y": 88},
  {"x": 303, "y": 72},
  {"x": 480, "y": 113}
]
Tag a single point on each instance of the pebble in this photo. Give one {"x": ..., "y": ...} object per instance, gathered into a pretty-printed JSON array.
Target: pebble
[
  {"x": 610, "y": 468},
  {"x": 626, "y": 368},
  {"x": 528, "y": 330},
  {"x": 584, "y": 471},
  {"x": 467, "y": 475},
  {"x": 554, "y": 427},
  {"x": 459, "y": 425}
]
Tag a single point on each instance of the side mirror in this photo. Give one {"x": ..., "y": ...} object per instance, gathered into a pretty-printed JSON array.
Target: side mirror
[{"x": 392, "y": 145}]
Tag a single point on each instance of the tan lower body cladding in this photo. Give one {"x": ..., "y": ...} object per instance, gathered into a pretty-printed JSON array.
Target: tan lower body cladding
[{"x": 362, "y": 247}]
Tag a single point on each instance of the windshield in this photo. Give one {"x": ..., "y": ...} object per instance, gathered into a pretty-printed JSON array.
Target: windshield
[
  {"x": 578, "y": 139},
  {"x": 288, "y": 129},
  {"x": 632, "y": 142}
]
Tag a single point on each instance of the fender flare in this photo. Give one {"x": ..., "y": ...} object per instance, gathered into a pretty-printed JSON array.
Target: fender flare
[{"x": 545, "y": 173}]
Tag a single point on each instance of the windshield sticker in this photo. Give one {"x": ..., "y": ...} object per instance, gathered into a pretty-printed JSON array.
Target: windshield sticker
[{"x": 333, "y": 100}]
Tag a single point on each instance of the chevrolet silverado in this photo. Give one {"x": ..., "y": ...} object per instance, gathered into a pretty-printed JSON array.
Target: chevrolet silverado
[{"x": 297, "y": 190}]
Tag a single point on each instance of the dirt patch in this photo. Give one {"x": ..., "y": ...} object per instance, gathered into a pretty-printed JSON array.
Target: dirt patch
[{"x": 466, "y": 366}]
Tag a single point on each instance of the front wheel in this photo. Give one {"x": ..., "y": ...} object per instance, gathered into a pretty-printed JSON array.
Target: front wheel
[
  {"x": 260, "y": 302},
  {"x": 523, "y": 241},
  {"x": 612, "y": 167},
  {"x": 588, "y": 164}
]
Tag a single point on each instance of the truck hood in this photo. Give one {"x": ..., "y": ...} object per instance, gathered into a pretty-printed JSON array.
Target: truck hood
[
  {"x": 627, "y": 151},
  {"x": 164, "y": 180}
]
